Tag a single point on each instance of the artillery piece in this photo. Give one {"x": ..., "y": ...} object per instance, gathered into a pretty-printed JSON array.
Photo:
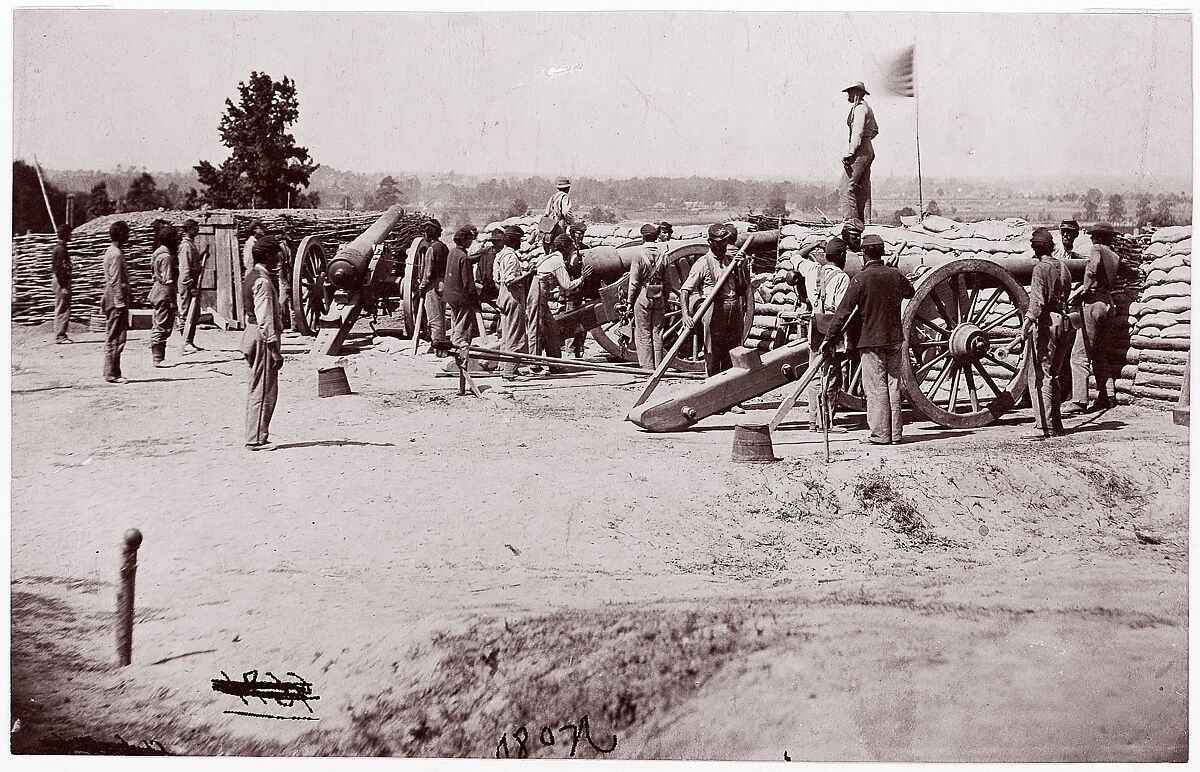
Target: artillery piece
[{"x": 965, "y": 312}]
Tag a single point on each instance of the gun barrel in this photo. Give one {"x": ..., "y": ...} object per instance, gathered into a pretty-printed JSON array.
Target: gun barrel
[{"x": 348, "y": 268}]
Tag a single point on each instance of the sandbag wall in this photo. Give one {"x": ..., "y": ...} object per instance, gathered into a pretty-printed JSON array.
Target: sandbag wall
[
  {"x": 33, "y": 295},
  {"x": 1161, "y": 323}
]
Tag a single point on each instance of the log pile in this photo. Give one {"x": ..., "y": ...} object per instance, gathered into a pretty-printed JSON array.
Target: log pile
[
  {"x": 1160, "y": 322},
  {"x": 33, "y": 296}
]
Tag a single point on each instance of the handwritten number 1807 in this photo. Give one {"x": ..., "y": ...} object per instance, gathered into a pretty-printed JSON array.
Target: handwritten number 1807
[{"x": 576, "y": 732}]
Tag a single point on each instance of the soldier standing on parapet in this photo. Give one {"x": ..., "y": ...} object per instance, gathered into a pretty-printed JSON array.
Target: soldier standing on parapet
[
  {"x": 1045, "y": 326},
  {"x": 558, "y": 216},
  {"x": 116, "y": 301},
  {"x": 60, "y": 266},
  {"x": 860, "y": 154},
  {"x": 261, "y": 343},
  {"x": 191, "y": 264},
  {"x": 163, "y": 292}
]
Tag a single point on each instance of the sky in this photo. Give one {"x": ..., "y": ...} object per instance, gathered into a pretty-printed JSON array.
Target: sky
[{"x": 615, "y": 94}]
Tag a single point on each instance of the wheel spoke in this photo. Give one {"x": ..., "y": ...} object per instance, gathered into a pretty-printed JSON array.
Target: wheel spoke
[
  {"x": 987, "y": 307},
  {"x": 1009, "y": 314},
  {"x": 928, "y": 343},
  {"x": 925, "y": 368},
  {"x": 960, "y": 289},
  {"x": 937, "y": 301},
  {"x": 988, "y": 356},
  {"x": 855, "y": 386},
  {"x": 987, "y": 378},
  {"x": 936, "y": 328},
  {"x": 970, "y": 376},
  {"x": 941, "y": 377},
  {"x": 953, "y": 401},
  {"x": 974, "y": 295}
]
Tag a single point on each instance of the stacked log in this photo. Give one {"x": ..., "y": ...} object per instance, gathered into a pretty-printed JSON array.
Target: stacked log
[
  {"x": 1160, "y": 322},
  {"x": 33, "y": 296}
]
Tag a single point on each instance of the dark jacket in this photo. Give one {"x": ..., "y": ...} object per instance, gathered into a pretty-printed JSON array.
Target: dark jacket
[
  {"x": 877, "y": 291},
  {"x": 488, "y": 291},
  {"x": 458, "y": 288},
  {"x": 431, "y": 263},
  {"x": 60, "y": 263}
]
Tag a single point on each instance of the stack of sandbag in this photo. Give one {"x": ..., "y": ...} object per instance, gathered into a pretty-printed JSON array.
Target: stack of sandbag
[{"x": 1160, "y": 320}]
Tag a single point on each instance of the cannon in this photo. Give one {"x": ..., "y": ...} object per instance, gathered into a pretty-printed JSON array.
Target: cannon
[
  {"x": 965, "y": 313},
  {"x": 329, "y": 295},
  {"x": 610, "y": 286}
]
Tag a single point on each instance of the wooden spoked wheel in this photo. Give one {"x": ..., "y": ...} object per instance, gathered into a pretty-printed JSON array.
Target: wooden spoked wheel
[
  {"x": 616, "y": 338},
  {"x": 311, "y": 295},
  {"x": 408, "y": 286},
  {"x": 963, "y": 314}
]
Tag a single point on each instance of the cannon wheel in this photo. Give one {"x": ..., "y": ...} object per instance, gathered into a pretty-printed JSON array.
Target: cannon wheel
[
  {"x": 408, "y": 287},
  {"x": 310, "y": 300},
  {"x": 962, "y": 313},
  {"x": 617, "y": 338}
]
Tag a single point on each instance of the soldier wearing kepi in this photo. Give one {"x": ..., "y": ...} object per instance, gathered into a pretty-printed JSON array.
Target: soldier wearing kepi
[
  {"x": 725, "y": 319},
  {"x": 459, "y": 290},
  {"x": 261, "y": 343},
  {"x": 860, "y": 154},
  {"x": 647, "y": 301},
  {"x": 60, "y": 265},
  {"x": 116, "y": 301},
  {"x": 1045, "y": 326},
  {"x": 163, "y": 292},
  {"x": 1094, "y": 299},
  {"x": 877, "y": 291},
  {"x": 665, "y": 231},
  {"x": 190, "y": 266}
]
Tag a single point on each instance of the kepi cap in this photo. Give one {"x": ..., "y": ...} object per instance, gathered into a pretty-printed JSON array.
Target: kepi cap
[
  {"x": 853, "y": 224},
  {"x": 1102, "y": 228},
  {"x": 649, "y": 230},
  {"x": 497, "y": 234},
  {"x": 562, "y": 242},
  {"x": 718, "y": 232},
  {"x": 1069, "y": 225},
  {"x": 1042, "y": 236},
  {"x": 872, "y": 240}
]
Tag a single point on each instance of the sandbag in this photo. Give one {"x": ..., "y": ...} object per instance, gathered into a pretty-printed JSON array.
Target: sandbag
[
  {"x": 1183, "y": 247},
  {"x": 1161, "y": 343},
  {"x": 1164, "y": 357},
  {"x": 1175, "y": 289},
  {"x": 1179, "y": 331},
  {"x": 1157, "y": 249},
  {"x": 1166, "y": 263},
  {"x": 1177, "y": 306},
  {"x": 1158, "y": 380},
  {"x": 1155, "y": 392},
  {"x": 1172, "y": 234},
  {"x": 1175, "y": 370}
]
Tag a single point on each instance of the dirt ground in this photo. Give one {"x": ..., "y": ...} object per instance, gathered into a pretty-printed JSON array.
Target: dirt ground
[{"x": 446, "y": 570}]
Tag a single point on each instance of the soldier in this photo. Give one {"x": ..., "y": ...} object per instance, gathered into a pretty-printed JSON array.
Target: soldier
[
  {"x": 163, "y": 292},
  {"x": 665, "y": 231},
  {"x": 825, "y": 286},
  {"x": 190, "y": 266},
  {"x": 431, "y": 272},
  {"x": 1094, "y": 299},
  {"x": 647, "y": 301},
  {"x": 558, "y": 214},
  {"x": 459, "y": 291},
  {"x": 575, "y": 271},
  {"x": 116, "y": 301},
  {"x": 551, "y": 274},
  {"x": 261, "y": 343},
  {"x": 257, "y": 231},
  {"x": 877, "y": 292},
  {"x": 60, "y": 265},
  {"x": 860, "y": 154},
  {"x": 511, "y": 282},
  {"x": 1046, "y": 328},
  {"x": 724, "y": 320}
]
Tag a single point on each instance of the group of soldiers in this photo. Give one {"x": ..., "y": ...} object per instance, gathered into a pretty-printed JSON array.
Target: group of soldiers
[{"x": 176, "y": 265}]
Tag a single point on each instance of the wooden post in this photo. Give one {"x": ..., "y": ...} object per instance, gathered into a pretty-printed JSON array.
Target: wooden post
[
  {"x": 71, "y": 210},
  {"x": 133, "y": 540}
]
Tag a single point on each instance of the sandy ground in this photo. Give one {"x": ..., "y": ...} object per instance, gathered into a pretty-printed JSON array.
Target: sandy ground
[{"x": 446, "y": 570}]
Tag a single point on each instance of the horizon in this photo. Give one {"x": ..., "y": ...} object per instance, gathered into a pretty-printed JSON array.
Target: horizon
[{"x": 613, "y": 106}]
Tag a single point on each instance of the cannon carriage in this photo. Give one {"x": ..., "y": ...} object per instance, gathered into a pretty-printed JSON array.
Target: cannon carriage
[{"x": 965, "y": 315}]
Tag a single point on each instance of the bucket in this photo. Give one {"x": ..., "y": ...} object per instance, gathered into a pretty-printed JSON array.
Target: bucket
[
  {"x": 752, "y": 443},
  {"x": 332, "y": 382}
]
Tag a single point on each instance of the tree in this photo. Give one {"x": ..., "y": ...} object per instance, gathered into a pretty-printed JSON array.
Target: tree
[
  {"x": 1116, "y": 208},
  {"x": 518, "y": 208},
  {"x": 776, "y": 203},
  {"x": 933, "y": 208},
  {"x": 98, "y": 202},
  {"x": 387, "y": 194},
  {"x": 191, "y": 199},
  {"x": 265, "y": 165},
  {"x": 1143, "y": 214},
  {"x": 1091, "y": 204},
  {"x": 1162, "y": 213},
  {"x": 29, "y": 208},
  {"x": 907, "y": 211},
  {"x": 142, "y": 195}
]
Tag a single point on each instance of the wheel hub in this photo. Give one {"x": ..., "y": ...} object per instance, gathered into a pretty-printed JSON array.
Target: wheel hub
[{"x": 968, "y": 342}]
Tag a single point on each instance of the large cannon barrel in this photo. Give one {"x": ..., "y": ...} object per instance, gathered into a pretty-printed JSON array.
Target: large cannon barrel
[
  {"x": 348, "y": 268},
  {"x": 610, "y": 263}
]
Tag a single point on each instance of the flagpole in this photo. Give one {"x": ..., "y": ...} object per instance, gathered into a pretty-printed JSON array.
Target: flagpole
[{"x": 920, "y": 182}]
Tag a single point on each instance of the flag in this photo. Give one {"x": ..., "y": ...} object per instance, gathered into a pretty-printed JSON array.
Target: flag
[{"x": 901, "y": 76}]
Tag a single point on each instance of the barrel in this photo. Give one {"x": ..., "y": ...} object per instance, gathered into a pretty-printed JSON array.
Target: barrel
[{"x": 752, "y": 443}]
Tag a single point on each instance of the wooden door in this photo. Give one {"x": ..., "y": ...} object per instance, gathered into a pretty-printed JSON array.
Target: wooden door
[{"x": 221, "y": 281}]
